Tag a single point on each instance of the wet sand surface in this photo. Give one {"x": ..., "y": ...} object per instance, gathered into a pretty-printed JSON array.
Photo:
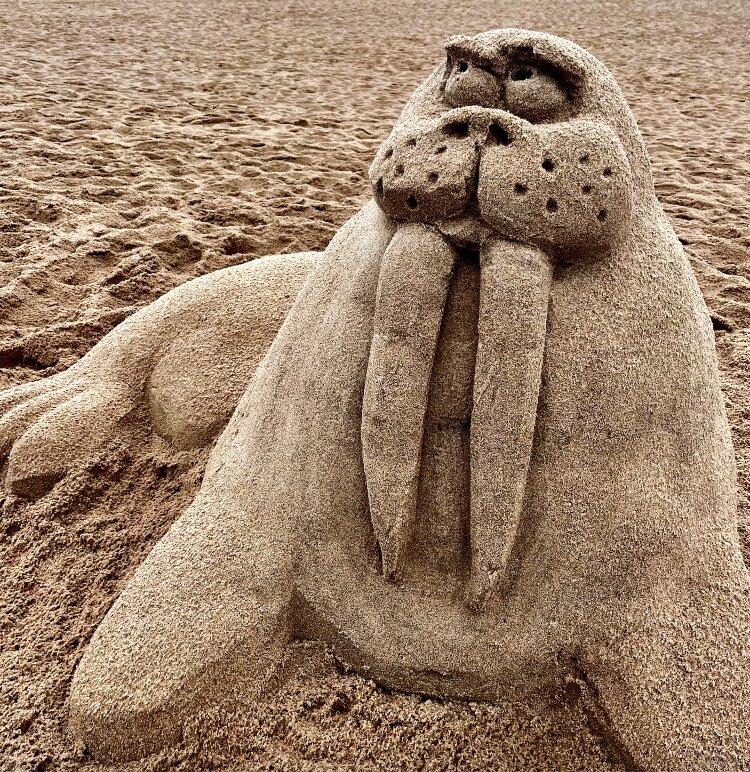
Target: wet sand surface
[{"x": 144, "y": 144}]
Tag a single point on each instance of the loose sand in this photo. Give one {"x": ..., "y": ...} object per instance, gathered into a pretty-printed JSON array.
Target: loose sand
[{"x": 145, "y": 144}]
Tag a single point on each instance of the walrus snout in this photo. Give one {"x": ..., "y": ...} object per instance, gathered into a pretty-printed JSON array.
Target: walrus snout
[
  {"x": 566, "y": 187},
  {"x": 430, "y": 174}
]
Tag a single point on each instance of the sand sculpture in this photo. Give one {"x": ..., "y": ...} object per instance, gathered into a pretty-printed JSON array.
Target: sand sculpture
[{"x": 483, "y": 451}]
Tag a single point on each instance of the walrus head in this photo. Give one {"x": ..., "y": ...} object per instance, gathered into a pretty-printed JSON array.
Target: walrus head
[
  {"x": 522, "y": 148},
  {"x": 521, "y": 131}
]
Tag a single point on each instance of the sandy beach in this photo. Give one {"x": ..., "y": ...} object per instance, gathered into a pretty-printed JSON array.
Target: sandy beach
[{"x": 145, "y": 144}]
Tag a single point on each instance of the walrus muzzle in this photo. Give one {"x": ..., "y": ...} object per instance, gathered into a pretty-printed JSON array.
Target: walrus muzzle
[{"x": 415, "y": 276}]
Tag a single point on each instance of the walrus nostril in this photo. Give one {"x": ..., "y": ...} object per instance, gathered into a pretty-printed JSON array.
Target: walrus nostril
[
  {"x": 551, "y": 205},
  {"x": 584, "y": 159},
  {"x": 548, "y": 165},
  {"x": 586, "y": 189},
  {"x": 520, "y": 189},
  {"x": 457, "y": 129},
  {"x": 411, "y": 142},
  {"x": 607, "y": 172},
  {"x": 412, "y": 202}
]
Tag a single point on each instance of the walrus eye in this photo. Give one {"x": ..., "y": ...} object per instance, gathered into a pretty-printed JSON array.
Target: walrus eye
[
  {"x": 468, "y": 83},
  {"x": 535, "y": 95},
  {"x": 522, "y": 73}
]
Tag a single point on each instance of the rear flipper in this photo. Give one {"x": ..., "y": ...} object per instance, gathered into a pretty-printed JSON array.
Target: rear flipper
[{"x": 176, "y": 368}]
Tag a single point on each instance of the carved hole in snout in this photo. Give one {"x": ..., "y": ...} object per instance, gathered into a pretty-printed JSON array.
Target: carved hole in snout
[
  {"x": 412, "y": 202},
  {"x": 520, "y": 189},
  {"x": 411, "y": 142},
  {"x": 602, "y": 215},
  {"x": 432, "y": 177},
  {"x": 498, "y": 135},
  {"x": 586, "y": 189},
  {"x": 607, "y": 172},
  {"x": 548, "y": 165},
  {"x": 457, "y": 129},
  {"x": 551, "y": 205}
]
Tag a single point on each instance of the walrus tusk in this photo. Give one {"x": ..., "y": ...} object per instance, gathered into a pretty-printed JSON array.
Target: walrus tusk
[
  {"x": 515, "y": 282},
  {"x": 412, "y": 289}
]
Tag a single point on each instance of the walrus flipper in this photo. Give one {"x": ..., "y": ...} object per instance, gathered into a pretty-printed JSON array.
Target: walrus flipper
[
  {"x": 672, "y": 694},
  {"x": 205, "y": 617},
  {"x": 191, "y": 622}
]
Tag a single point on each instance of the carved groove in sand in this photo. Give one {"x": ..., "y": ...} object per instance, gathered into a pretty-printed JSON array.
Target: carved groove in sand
[{"x": 485, "y": 454}]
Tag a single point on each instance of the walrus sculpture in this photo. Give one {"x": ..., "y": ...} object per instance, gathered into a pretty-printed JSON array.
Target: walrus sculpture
[{"x": 483, "y": 451}]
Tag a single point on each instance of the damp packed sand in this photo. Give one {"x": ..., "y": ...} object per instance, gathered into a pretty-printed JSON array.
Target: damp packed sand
[{"x": 144, "y": 144}]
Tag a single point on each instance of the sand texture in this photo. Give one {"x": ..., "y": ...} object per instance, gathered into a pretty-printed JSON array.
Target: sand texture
[{"x": 148, "y": 144}]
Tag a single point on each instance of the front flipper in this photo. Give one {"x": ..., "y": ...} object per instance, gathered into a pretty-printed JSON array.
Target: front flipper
[
  {"x": 669, "y": 684},
  {"x": 205, "y": 617},
  {"x": 202, "y": 621}
]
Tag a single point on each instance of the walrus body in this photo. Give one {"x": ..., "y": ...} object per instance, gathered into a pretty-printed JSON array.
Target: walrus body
[{"x": 601, "y": 559}]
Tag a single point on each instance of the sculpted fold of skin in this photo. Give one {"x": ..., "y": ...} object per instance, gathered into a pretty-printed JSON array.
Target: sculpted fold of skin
[{"x": 484, "y": 455}]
